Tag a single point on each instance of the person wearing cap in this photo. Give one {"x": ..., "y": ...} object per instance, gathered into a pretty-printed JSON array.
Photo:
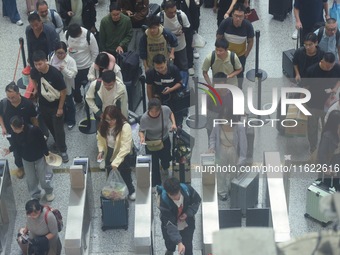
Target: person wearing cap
[
  {"x": 29, "y": 142},
  {"x": 15, "y": 104}
]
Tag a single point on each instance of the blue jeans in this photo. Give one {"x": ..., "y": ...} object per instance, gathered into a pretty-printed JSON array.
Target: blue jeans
[
  {"x": 9, "y": 9},
  {"x": 69, "y": 111}
]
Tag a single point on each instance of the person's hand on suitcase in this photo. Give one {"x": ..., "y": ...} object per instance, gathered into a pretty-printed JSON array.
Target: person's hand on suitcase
[
  {"x": 183, "y": 217},
  {"x": 173, "y": 127},
  {"x": 298, "y": 25},
  {"x": 119, "y": 50},
  {"x": 70, "y": 14}
]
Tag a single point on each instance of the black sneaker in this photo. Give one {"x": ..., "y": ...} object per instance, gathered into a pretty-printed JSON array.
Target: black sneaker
[{"x": 64, "y": 157}]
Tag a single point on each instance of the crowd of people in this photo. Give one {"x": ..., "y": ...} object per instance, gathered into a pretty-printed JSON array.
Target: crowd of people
[{"x": 84, "y": 69}]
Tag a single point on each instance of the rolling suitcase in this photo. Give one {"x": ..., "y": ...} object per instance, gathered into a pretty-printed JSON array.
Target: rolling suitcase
[
  {"x": 182, "y": 146},
  {"x": 280, "y": 9},
  {"x": 244, "y": 191},
  {"x": 315, "y": 192},
  {"x": 287, "y": 60},
  {"x": 115, "y": 213}
]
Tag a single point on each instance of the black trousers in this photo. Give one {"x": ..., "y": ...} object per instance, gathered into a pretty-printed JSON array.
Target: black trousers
[
  {"x": 165, "y": 156},
  {"x": 186, "y": 234},
  {"x": 240, "y": 76},
  {"x": 124, "y": 170},
  {"x": 80, "y": 80}
]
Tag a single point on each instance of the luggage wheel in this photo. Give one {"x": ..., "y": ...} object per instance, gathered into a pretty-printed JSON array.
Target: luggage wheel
[{"x": 306, "y": 215}]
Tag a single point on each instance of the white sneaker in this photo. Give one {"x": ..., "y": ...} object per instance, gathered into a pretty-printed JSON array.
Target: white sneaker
[
  {"x": 132, "y": 197},
  {"x": 191, "y": 71},
  {"x": 295, "y": 35},
  {"x": 196, "y": 54},
  {"x": 50, "y": 197},
  {"x": 19, "y": 22}
]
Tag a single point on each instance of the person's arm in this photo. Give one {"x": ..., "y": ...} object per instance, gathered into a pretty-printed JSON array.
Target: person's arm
[
  {"x": 101, "y": 143},
  {"x": 58, "y": 22},
  {"x": 2, "y": 124},
  {"x": 227, "y": 14},
  {"x": 325, "y": 7},
  {"x": 207, "y": 78},
  {"x": 128, "y": 36},
  {"x": 194, "y": 200},
  {"x": 173, "y": 121},
  {"x": 172, "y": 41},
  {"x": 62, "y": 98},
  {"x": 70, "y": 70},
  {"x": 298, "y": 23},
  {"x": 141, "y": 136},
  {"x": 149, "y": 91},
  {"x": 125, "y": 145},
  {"x": 90, "y": 99},
  {"x": 339, "y": 52},
  {"x": 336, "y": 87},
  {"x": 250, "y": 43}
]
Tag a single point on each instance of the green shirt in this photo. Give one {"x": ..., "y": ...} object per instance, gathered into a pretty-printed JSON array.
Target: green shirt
[{"x": 114, "y": 34}]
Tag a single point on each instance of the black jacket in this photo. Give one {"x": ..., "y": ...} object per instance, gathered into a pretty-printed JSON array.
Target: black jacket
[
  {"x": 88, "y": 14},
  {"x": 30, "y": 143},
  {"x": 192, "y": 12},
  {"x": 300, "y": 57},
  {"x": 169, "y": 211}
]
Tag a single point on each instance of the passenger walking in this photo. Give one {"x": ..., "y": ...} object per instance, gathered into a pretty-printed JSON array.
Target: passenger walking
[{"x": 114, "y": 141}]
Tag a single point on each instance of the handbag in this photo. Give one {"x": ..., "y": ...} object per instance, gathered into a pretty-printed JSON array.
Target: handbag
[
  {"x": 48, "y": 92},
  {"x": 156, "y": 145},
  {"x": 198, "y": 41},
  {"x": 252, "y": 15},
  {"x": 334, "y": 12}
]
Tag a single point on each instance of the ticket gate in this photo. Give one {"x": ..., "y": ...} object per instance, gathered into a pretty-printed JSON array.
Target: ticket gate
[
  {"x": 77, "y": 234},
  {"x": 8, "y": 209},
  {"x": 143, "y": 232}
]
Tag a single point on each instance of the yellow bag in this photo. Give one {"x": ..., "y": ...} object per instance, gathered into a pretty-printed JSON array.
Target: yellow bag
[{"x": 155, "y": 145}]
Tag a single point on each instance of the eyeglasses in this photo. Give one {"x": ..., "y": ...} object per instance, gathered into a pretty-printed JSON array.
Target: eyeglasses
[
  {"x": 331, "y": 29},
  {"x": 60, "y": 53}
]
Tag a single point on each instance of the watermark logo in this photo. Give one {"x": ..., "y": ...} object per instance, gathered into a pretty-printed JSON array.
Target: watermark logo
[{"x": 239, "y": 101}]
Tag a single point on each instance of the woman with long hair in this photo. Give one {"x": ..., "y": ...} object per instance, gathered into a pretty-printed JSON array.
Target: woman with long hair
[
  {"x": 114, "y": 142},
  {"x": 154, "y": 128},
  {"x": 61, "y": 60},
  {"x": 328, "y": 153}
]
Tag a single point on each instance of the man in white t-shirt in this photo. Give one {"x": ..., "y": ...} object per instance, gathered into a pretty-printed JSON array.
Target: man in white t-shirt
[
  {"x": 83, "y": 48},
  {"x": 177, "y": 22}
]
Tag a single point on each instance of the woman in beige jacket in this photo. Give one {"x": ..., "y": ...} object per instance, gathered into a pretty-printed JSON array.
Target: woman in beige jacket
[{"x": 114, "y": 141}]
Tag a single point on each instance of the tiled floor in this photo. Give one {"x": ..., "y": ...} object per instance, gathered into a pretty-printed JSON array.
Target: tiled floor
[{"x": 275, "y": 37}]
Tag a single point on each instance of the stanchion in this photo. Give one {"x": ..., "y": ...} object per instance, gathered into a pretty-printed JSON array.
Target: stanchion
[
  {"x": 258, "y": 75},
  {"x": 196, "y": 121},
  {"x": 20, "y": 82},
  {"x": 88, "y": 125},
  {"x": 251, "y": 74}
]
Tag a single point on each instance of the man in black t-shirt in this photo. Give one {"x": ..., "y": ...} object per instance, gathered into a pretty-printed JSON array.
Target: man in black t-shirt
[
  {"x": 163, "y": 81},
  {"x": 16, "y": 105},
  {"x": 322, "y": 80},
  {"x": 48, "y": 80}
]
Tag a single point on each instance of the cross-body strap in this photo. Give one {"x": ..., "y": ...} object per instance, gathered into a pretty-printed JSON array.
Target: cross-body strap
[{"x": 162, "y": 124}]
